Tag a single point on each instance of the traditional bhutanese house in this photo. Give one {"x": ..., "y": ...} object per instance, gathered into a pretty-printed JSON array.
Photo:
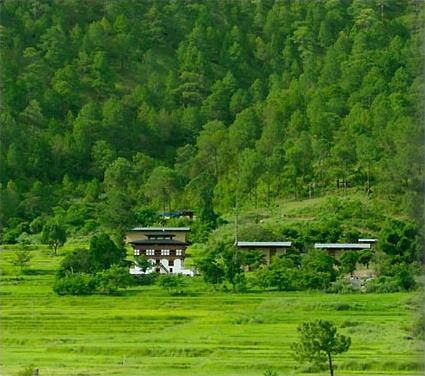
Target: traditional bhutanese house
[
  {"x": 270, "y": 249},
  {"x": 336, "y": 249},
  {"x": 164, "y": 247}
]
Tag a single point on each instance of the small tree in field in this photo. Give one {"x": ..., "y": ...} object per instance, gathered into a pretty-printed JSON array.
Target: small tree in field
[
  {"x": 21, "y": 258},
  {"x": 54, "y": 235},
  {"x": 319, "y": 341}
]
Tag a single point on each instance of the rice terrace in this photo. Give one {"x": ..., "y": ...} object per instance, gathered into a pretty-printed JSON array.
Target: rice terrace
[
  {"x": 212, "y": 188},
  {"x": 148, "y": 332}
]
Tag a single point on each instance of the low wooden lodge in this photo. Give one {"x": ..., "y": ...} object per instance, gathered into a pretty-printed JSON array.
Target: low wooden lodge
[
  {"x": 164, "y": 247},
  {"x": 269, "y": 249}
]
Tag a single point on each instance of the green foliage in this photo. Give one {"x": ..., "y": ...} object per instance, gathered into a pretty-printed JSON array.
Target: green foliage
[
  {"x": 349, "y": 260},
  {"x": 211, "y": 266},
  {"x": 21, "y": 259},
  {"x": 319, "y": 342},
  {"x": 54, "y": 235},
  {"x": 270, "y": 372},
  {"x": 253, "y": 259},
  {"x": 147, "y": 217},
  {"x": 174, "y": 284},
  {"x": 79, "y": 261},
  {"x": 400, "y": 240},
  {"x": 365, "y": 257},
  {"x": 75, "y": 284},
  {"x": 281, "y": 274},
  {"x": 214, "y": 93},
  {"x": 256, "y": 233},
  {"x": 317, "y": 270},
  {"x": 27, "y": 371},
  {"x": 397, "y": 277},
  {"x": 104, "y": 253},
  {"x": 342, "y": 286},
  {"x": 108, "y": 281},
  {"x": 143, "y": 263}
]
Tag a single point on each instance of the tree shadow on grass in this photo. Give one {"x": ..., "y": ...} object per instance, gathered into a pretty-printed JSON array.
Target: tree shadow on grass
[{"x": 39, "y": 272}]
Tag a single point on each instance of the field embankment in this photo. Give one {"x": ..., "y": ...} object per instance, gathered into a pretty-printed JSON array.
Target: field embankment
[{"x": 148, "y": 332}]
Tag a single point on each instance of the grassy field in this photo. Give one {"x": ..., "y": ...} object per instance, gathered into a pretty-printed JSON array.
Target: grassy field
[{"x": 147, "y": 332}]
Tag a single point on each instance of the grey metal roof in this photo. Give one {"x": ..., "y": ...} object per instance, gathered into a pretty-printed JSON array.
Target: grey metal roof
[
  {"x": 341, "y": 246},
  {"x": 264, "y": 244},
  {"x": 367, "y": 240},
  {"x": 158, "y": 242},
  {"x": 164, "y": 229},
  {"x": 160, "y": 233}
]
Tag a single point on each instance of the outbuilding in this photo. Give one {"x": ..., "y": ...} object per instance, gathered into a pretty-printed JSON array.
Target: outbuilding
[{"x": 269, "y": 249}]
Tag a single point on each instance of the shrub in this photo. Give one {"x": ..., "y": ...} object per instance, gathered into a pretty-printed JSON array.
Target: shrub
[
  {"x": 22, "y": 258},
  {"x": 281, "y": 274},
  {"x": 110, "y": 280},
  {"x": 27, "y": 371},
  {"x": 11, "y": 232},
  {"x": 341, "y": 286},
  {"x": 382, "y": 284},
  {"x": 174, "y": 284},
  {"x": 270, "y": 372},
  {"x": 76, "y": 262},
  {"x": 398, "y": 238},
  {"x": 75, "y": 284},
  {"x": 144, "y": 279},
  {"x": 317, "y": 270},
  {"x": 404, "y": 277}
]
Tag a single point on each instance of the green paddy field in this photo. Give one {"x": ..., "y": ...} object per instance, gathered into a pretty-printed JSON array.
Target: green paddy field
[{"x": 148, "y": 332}]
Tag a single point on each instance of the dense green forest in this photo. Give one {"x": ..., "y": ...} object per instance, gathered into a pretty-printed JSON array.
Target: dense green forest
[{"x": 112, "y": 108}]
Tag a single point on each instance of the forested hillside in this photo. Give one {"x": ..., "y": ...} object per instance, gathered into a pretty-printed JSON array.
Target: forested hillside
[{"x": 109, "y": 108}]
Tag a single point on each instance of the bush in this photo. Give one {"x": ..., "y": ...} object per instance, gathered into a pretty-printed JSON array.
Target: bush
[
  {"x": 144, "y": 279},
  {"x": 317, "y": 270},
  {"x": 110, "y": 280},
  {"x": 382, "y": 284},
  {"x": 281, "y": 274},
  {"x": 89, "y": 226},
  {"x": 404, "y": 277},
  {"x": 11, "y": 232},
  {"x": 76, "y": 262},
  {"x": 341, "y": 286},
  {"x": 75, "y": 284},
  {"x": 174, "y": 284},
  {"x": 27, "y": 371}
]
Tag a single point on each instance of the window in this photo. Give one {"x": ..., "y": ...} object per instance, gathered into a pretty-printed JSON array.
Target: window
[
  {"x": 165, "y": 252},
  {"x": 179, "y": 252},
  {"x": 171, "y": 263},
  {"x": 137, "y": 252},
  {"x": 150, "y": 252}
]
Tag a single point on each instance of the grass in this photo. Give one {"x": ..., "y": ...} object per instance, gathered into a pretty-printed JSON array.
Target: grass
[{"x": 147, "y": 332}]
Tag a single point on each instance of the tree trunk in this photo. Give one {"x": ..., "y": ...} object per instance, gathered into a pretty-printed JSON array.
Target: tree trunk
[{"x": 331, "y": 369}]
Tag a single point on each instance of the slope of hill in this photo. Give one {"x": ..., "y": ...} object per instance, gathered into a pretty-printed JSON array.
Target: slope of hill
[{"x": 109, "y": 108}]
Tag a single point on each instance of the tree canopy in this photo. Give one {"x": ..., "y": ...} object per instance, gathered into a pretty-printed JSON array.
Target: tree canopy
[{"x": 112, "y": 107}]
